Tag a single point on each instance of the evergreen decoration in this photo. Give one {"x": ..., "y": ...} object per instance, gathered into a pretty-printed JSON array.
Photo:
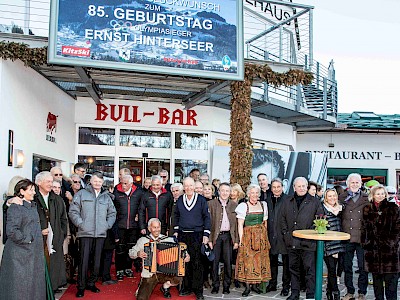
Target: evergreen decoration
[
  {"x": 241, "y": 154},
  {"x": 31, "y": 57}
]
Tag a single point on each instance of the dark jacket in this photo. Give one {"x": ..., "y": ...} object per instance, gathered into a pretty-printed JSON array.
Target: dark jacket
[
  {"x": 275, "y": 236},
  {"x": 152, "y": 206},
  {"x": 127, "y": 206},
  {"x": 352, "y": 215},
  {"x": 216, "y": 211},
  {"x": 22, "y": 267},
  {"x": 93, "y": 216},
  {"x": 294, "y": 218},
  {"x": 56, "y": 214},
  {"x": 381, "y": 237},
  {"x": 334, "y": 222}
]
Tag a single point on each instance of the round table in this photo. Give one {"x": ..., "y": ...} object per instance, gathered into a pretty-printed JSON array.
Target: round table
[{"x": 311, "y": 234}]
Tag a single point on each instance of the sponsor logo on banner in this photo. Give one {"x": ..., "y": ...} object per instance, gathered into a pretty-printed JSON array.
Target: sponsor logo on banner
[{"x": 75, "y": 51}]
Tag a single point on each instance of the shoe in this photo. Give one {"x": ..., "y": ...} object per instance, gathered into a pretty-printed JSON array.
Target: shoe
[
  {"x": 207, "y": 285},
  {"x": 348, "y": 296},
  {"x": 184, "y": 292},
  {"x": 226, "y": 291},
  {"x": 120, "y": 275},
  {"x": 285, "y": 292},
  {"x": 165, "y": 292},
  {"x": 255, "y": 289},
  {"x": 293, "y": 297},
  {"x": 270, "y": 288},
  {"x": 246, "y": 292},
  {"x": 215, "y": 290},
  {"x": 310, "y": 296},
  {"x": 109, "y": 282},
  {"x": 128, "y": 273},
  {"x": 303, "y": 289},
  {"x": 80, "y": 293},
  {"x": 336, "y": 295},
  {"x": 329, "y": 295},
  {"x": 92, "y": 288},
  {"x": 361, "y": 297},
  {"x": 199, "y": 297},
  {"x": 236, "y": 283}
]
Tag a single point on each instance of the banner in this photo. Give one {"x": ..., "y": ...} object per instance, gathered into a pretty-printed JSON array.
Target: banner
[
  {"x": 179, "y": 37},
  {"x": 286, "y": 165}
]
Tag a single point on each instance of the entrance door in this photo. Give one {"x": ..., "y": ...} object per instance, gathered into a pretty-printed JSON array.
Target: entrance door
[{"x": 144, "y": 167}]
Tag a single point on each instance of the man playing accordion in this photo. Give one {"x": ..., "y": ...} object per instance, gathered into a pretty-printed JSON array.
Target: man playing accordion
[{"x": 150, "y": 280}]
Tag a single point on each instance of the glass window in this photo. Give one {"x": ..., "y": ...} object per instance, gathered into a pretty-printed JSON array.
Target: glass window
[
  {"x": 184, "y": 166},
  {"x": 147, "y": 139},
  {"x": 191, "y": 141},
  {"x": 103, "y": 164},
  {"x": 96, "y": 136}
]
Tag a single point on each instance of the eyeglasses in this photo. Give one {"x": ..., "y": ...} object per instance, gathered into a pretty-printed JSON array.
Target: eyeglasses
[
  {"x": 57, "y": 174},
  {"x": 74, "y": 181},
  {"x": 164, "y": 176}
]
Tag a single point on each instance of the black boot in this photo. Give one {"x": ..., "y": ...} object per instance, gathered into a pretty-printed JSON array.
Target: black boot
[
  {"x": 329, "y": 295},
  {"x": 255, "y": 288},
  {"x": 336, "y": 295},
  {"x": 246, "y": 291}
]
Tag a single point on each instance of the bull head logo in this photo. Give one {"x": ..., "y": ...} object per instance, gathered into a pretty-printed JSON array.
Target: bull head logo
[{"x": 51, "y": 123}]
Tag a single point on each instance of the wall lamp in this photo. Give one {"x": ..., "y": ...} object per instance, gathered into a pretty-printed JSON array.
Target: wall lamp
[{"x": 19, "y": 158}]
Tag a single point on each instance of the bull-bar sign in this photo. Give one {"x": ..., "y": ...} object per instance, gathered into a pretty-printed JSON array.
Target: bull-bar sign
[{"x": 201, "y": 38}]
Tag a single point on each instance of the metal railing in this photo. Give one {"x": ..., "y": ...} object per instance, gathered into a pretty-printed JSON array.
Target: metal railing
[
  {"x": 272, "y": 39},
  {"x": 30, "y": 17}
]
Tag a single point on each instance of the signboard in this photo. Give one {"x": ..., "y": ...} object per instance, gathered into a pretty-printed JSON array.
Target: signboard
[
  {"x": 286, "y": 165},
  {"x": 178, "y": 37}
]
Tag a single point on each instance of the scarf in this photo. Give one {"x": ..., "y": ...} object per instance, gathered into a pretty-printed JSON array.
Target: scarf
[{"x": 333, "y": 209}]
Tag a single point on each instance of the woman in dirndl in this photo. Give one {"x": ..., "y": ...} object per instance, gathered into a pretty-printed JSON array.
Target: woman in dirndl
[{"x": 252, "y": 265}]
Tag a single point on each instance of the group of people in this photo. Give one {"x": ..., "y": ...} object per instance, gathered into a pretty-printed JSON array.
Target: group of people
[{"x": 218, "y": 222}]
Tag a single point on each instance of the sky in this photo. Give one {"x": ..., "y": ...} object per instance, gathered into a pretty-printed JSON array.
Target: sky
[{"x": 363, "y": 39}]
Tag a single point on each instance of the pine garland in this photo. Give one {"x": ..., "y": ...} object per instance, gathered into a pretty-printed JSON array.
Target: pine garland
[
  {"x": 31, "y": 57},
  {"x": 241, "y": 154}
]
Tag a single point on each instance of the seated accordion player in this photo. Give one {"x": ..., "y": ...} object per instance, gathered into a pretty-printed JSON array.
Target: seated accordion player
[{"x": 165, "y": 257}]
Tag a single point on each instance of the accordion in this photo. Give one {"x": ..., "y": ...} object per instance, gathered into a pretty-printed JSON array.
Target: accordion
[{"x": 165, "y": 257}]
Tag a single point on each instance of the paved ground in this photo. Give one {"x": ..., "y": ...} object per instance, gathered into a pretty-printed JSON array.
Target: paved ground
[{"x": 237, "y": 293}]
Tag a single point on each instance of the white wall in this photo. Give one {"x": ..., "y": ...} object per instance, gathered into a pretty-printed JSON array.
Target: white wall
[
  {"x": 382, "y": 150},
  {"x": 26, "y": 98}
]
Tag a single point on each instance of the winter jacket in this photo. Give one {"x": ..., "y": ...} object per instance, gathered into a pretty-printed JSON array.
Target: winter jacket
[
  {"x": 152, "y": 206},
  {"x": 294, "y": 218},
  {"x": 333, "y": 247},
  {"x": 93, "y": 216},
  {"x": 127, "y": 206},
  {"x": 275, "y": 236},
  {"x": 381, "y": 237},
  {"x": 352, "y": 215}
]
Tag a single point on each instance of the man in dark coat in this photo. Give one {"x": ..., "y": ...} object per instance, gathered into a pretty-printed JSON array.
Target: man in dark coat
[
  {"x": 354, "y": 201},
  {"x": 298, "y": 212},
  {"x": 53, "y": 218},
  {"x": 274, "y": 201},
  {"x": 155, "y": 203},
  {"x": 127, "y": 200}
]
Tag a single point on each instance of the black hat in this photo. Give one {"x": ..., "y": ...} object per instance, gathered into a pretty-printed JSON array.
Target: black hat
[{"x": 207, "y": 251}]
